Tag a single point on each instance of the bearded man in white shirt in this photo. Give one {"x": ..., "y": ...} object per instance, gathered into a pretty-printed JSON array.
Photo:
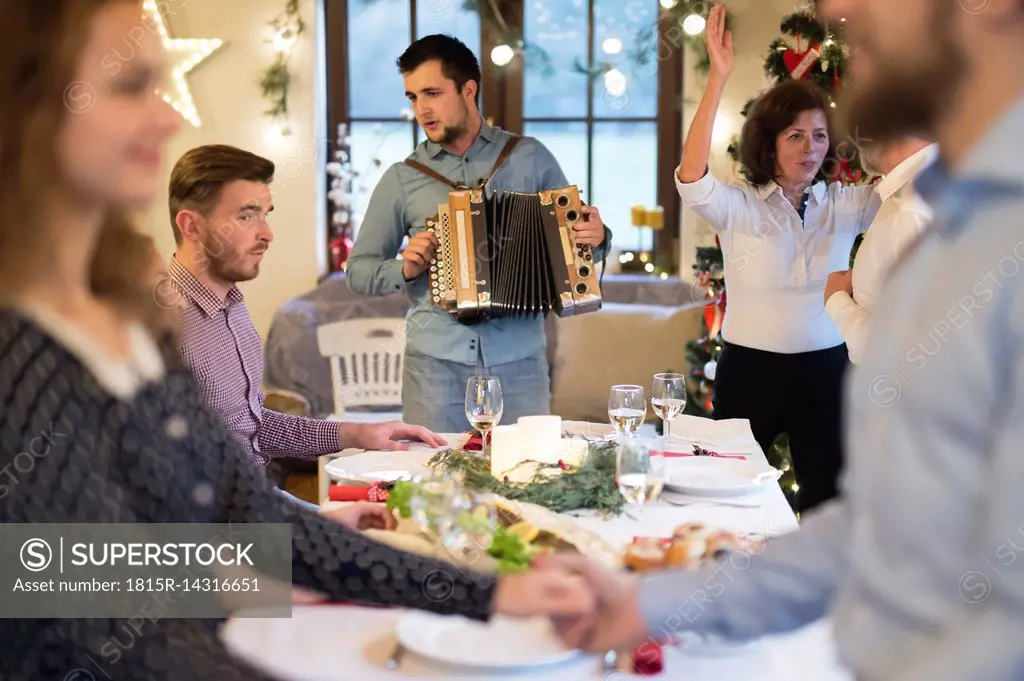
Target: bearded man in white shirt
[{"x": 850, "y": 295}]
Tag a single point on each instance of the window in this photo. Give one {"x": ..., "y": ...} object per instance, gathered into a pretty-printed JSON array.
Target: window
[
  {"x": 614, "y": 125},
  {"x": 603, "y": 127},
  {"x": 365, "y": 37}
]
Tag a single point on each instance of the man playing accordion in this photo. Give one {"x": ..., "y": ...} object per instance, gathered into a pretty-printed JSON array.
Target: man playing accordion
[{"x": 442, "y": 82}]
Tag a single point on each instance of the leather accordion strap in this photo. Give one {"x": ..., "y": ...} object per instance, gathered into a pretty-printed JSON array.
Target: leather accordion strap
[
  {"x": 503, "y": 155},
  {"x": 506, "y": 151},
  {"x": 434, "y": 174}
]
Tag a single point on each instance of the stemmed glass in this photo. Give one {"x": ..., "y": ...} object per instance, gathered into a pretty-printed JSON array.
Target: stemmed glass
[
  {"x": 639, "y": 472},
  {"x": 626, "y": 408},
  {"x": 484, "y": 405},
  {"x": 668, "y": 397}
]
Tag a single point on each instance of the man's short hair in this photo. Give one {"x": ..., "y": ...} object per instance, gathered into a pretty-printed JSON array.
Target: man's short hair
[
  {"x": 199, "y": 176},
  {"x": 458, "y": 63}
]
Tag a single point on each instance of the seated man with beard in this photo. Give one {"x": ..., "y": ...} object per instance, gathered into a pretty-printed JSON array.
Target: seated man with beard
[{"x": 219, "y": 201}]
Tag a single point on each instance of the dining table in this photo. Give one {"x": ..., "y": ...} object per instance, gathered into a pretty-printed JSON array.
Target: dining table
[{"x": 325, "y": 642}]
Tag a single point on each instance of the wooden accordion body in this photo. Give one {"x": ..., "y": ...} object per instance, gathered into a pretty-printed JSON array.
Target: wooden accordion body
[{"x": 513, "y": 254}]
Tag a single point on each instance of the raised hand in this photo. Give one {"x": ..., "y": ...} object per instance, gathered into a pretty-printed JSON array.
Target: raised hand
[
  {"x": 417, "y": 254},
  {"x": 719, "y": 42}
]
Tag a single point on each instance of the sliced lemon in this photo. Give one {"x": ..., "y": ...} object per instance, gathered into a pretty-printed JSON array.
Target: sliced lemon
[{"x": 524, "y": 531}]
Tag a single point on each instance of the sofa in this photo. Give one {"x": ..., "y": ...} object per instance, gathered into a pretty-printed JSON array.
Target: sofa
[{"x": 642, "y": 329}]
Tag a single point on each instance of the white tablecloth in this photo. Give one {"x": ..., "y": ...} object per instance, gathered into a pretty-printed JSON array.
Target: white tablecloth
[{"x": 322, "y": 642}]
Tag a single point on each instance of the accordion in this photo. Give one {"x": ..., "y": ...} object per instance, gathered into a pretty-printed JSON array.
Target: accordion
[{"x": 512, "y": 254}]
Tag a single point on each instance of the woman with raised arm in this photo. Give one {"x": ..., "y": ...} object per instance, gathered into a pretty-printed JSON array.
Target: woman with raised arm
[
  {"x": 782, "y": 233},
  {"x": 115, "y": 434}
]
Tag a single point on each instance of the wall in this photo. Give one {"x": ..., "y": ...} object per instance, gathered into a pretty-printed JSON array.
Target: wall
[
  {"x": 228, "y": 98},
  {"x": 755, "y": 26}
]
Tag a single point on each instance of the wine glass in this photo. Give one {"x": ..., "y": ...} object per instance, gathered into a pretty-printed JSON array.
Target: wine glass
[
  {"x": 668, "y": 397},
  {"x": 484, "y": 406},
  {"x": 627, "y": 408},
  {"x": 639, "y": 472}
]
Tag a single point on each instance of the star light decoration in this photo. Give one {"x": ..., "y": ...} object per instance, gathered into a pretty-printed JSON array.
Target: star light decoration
[{"x": 185, "y": 55}]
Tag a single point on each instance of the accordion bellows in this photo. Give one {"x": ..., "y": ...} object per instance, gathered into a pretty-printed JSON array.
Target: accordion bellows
[{"x": 513, "y": 254}]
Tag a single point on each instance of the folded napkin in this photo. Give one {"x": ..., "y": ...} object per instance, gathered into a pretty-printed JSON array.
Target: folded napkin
[
  {"x": 727, "y": 434},
  {"x": 375, "y": 492},
  {"x": 700, "y": 451},
  {"x": 475, "y": 443}
]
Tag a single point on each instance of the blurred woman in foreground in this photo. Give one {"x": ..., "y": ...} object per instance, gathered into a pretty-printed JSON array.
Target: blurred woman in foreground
[{"x": 82, "y": 147}]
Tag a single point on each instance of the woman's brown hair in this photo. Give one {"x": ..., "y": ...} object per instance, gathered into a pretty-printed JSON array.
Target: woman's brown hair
[
  {"x": 40, "y": 46},
  {"x": 773, "y": 112}
]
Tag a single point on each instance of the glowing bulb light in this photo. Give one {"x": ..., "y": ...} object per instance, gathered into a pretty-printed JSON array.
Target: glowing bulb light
[
  {"x": 185, "y": 55},
  {"x": 284, "y": 41},
  {"x": 615, "y": 82},
  {"x": 668, "y": 4},
  {"x": 694, "y": 24},
  {"x": 502, "y": 55},
  {"x": 611, "y": 45}
]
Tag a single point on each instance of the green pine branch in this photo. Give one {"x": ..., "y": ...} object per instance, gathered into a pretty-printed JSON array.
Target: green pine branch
[
  {"x": 804, "y": 25},
  {"x": 275, "y": 81}
]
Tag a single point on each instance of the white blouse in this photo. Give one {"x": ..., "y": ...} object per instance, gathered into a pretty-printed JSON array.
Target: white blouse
[
  {"x": 775, "y": 264},
  {"x": 899, "y": 224}
]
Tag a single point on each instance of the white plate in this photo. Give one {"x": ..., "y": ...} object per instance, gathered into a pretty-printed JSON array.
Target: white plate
[
  {"x": 347, "y": 478},
  {"x": 711, "y": 476},
  {"x": 503, "y": 644},
  {"x": 587, "y": 428}
]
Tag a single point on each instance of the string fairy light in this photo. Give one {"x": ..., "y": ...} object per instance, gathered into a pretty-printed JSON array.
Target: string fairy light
[{"x": 185, "y": 55}]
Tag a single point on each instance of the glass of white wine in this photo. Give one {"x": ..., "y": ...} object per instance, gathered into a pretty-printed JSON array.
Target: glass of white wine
[
  {"x": 639, "y": 472},
  {"x": 627, "y": 409},
  {"x": 484, "y": 406},
  {"x": 668, "y": 397}
]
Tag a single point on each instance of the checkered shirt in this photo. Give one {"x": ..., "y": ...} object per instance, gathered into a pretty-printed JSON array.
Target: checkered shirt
[{"x": 221, "y": 346}]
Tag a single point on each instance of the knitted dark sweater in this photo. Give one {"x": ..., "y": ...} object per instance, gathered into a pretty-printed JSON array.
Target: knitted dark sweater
[{"x": 120, "y": 461}]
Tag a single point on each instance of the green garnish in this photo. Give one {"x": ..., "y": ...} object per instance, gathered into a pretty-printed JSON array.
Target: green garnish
[
  {"x": 512, "y": 554},
  {"x": 400, "y": 496}
]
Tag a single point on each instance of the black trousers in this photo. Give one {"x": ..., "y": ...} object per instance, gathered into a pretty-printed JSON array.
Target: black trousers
[{"x": 799, "y": 394}]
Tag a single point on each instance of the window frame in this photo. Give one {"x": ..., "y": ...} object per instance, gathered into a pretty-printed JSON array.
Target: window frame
[{"x": 501, "y": 91}]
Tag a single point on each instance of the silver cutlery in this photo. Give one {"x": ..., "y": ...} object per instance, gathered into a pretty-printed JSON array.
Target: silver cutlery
[
  {"x": 396, "y": 657},
  {"x": 610, "y": 662}
]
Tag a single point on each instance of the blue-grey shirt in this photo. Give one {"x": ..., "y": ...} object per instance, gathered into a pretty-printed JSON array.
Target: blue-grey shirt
[
  {"x": 399, "y": 206},
  {"x": 922, "y": 564}
]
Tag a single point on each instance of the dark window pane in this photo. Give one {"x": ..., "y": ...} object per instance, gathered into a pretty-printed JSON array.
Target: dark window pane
[
  {"x": 559, "y": 28},
  {"x": 629, "y": 89},
  {"x": 451, "y": 18},
  {"x": 386, "y": 143},
  {"x": 568, "y": 143},
  {"x": 378, "y": 32},
  {"x": 625, "y": 175}
]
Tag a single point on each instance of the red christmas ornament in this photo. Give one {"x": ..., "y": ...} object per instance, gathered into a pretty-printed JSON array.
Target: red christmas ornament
[
  {"x": 714, "y": 315},
  {"x": 340, "y": 247},
  {"x": 799, "y": 63}
]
